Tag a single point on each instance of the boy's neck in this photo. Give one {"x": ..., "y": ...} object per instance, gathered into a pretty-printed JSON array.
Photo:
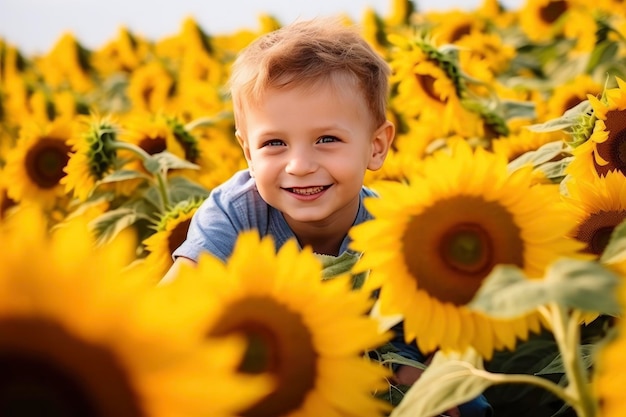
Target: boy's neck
[{"x": 325, "y": 238}]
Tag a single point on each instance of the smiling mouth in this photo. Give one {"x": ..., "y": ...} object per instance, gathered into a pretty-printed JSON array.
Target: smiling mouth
[{"x": 308, "y": 190}]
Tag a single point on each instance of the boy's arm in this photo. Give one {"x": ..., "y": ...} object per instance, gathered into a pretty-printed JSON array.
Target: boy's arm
[{"x": 171, "y": 274}]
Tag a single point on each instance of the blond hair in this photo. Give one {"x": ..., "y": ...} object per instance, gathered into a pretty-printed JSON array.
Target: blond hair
[{"x": 304, "y": 53}]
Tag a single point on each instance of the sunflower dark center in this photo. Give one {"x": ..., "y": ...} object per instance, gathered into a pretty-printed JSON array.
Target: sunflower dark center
[
  {"x": 427, "y": 82},
  {"x": 177, "y": 235},
  {"x": 461, "y": 31},
  {"x": 552, "y": 11},
  {"x": 45, "y": 162},
  {"x": 279, "y": 342},
  {"x": 153, "y": 145},
  {"x": 596, "y": 230},
  {"x": 146, "y": 94},
  {"x": 466, "y": 248},
  {"x": 47, "y": 371},
  {"x": 454, "y": 244},
  {"x": 613, "y": 149},
  {"x": 571, "y": 102}
]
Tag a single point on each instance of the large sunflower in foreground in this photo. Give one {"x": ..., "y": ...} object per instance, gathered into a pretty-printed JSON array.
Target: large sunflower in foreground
[
  {"x": 307, "y": 333},
  {"x": 79, "y": 336},
  {"x": 435, "y": 239},
  {"x": 37, "y": 162},
  {"x": 605, "y": 149}
]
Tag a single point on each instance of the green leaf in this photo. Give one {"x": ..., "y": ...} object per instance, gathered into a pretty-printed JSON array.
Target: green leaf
[
  {"x": 445, "y": 384},
  {"x": 541, "y": 155},
  {"x": 586, "y": 353},
  {"x": 168, "y": 160},
  {"x": 511, "y": 109},
  {"x": 152, "y": 165},
  {"x": 585, "y": 285},
  {"x": 337, "y": 265},
  {"x": 603, "y": 52},
  {"x": 182, "y": 188},
  {"x": 570, "y": 118},
  {"x": 333, "y": 266},
  {"x": 555, "y": 170},
  {"x": 616, "y": 249},
  {"x": 123, "y": 175},
  {"x": 111, "y": 223}
]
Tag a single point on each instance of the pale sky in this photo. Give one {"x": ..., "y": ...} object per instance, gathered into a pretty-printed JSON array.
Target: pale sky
[{"x": 35, "y": 25}]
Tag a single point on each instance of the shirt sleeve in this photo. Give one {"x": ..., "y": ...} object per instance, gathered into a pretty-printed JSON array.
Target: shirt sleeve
[{"x": 213, "y": 228}]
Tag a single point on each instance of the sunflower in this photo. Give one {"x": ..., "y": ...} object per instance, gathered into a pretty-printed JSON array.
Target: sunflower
[
  {"x": 151, "y": 87},
  {"x": 567, "y": 95},
  {"x": 93, "y": 156},
  {"x": 80, "y": 336},
  {"x": 37, "y": 162},
  {"x": 122, "y": 54},
  {"x": 487, "y": 47},
  {"x": 150, "y": 132},
  {"x": 68, "y": 63},
  {"x": 451, "y": 27},
  {"x": 599, "y": 206},
  {"x": 542, "y": 20},
  {"x": 605, "y": 149},
  {"x": 308, "y": 333},
  {"x": 429, "y": 86},
  {"x": 219, "y": 157},
  {"x": 171, "y": 230},
  {"x": 435, "y": 239}
]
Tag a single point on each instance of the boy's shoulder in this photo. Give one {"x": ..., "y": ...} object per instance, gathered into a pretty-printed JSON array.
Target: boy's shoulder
[{"x": 240, "y": 186}]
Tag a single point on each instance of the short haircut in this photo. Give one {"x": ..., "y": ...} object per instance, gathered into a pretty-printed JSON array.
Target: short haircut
[{"x": 307, "y": 52}]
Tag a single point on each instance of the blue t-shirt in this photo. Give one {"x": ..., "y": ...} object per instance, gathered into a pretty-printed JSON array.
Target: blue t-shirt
[{"x": 235, "y": 206}]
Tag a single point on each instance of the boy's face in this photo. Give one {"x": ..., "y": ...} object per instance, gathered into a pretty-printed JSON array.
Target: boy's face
[{"x": 308, "y": 150}]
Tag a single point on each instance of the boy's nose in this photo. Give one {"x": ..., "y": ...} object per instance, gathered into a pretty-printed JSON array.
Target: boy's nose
[{"x": 300, "y": 164}]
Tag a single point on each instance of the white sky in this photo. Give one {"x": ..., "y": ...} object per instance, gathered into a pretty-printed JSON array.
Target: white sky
[{"x": 35, "y": 25}]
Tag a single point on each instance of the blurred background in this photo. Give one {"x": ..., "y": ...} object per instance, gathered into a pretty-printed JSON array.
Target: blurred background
[{"x": 35, "y": 25}]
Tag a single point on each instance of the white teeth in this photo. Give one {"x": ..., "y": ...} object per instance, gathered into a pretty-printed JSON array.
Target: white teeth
[{"x": 307, "y": 191}]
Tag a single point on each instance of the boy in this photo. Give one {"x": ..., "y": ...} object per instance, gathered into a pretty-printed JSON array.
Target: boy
[{"x": 310, "y": 113}]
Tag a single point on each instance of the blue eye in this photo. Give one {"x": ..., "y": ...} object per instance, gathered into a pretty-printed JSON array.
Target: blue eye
[
  {"x": 273, "y": 142},
  {"x": 327, "y": 139}
]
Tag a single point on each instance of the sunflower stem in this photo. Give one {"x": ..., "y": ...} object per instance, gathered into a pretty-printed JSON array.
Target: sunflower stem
[
  {"x": 566, "y": 330},
  {"x": 137, "y": 150},
  {"x": 546, "y": 384},
  {"x": 160, "y": 177},
  {"x": 165, "y": 197}
]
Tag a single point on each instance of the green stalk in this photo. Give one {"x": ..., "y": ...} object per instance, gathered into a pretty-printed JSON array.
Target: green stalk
[
  {"x": 566, "y": 330},
  {"x": 160, "y": 177},
  {"x": 546, "y": 384}
]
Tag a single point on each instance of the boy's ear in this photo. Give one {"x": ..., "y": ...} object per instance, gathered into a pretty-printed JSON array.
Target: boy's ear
[
  {"x": 246, "y": 150},
  {"x": 381, "y": 142}
]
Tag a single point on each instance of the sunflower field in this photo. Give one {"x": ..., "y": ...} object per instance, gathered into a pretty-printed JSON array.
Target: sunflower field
[{"x": 498, "y": 238}]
